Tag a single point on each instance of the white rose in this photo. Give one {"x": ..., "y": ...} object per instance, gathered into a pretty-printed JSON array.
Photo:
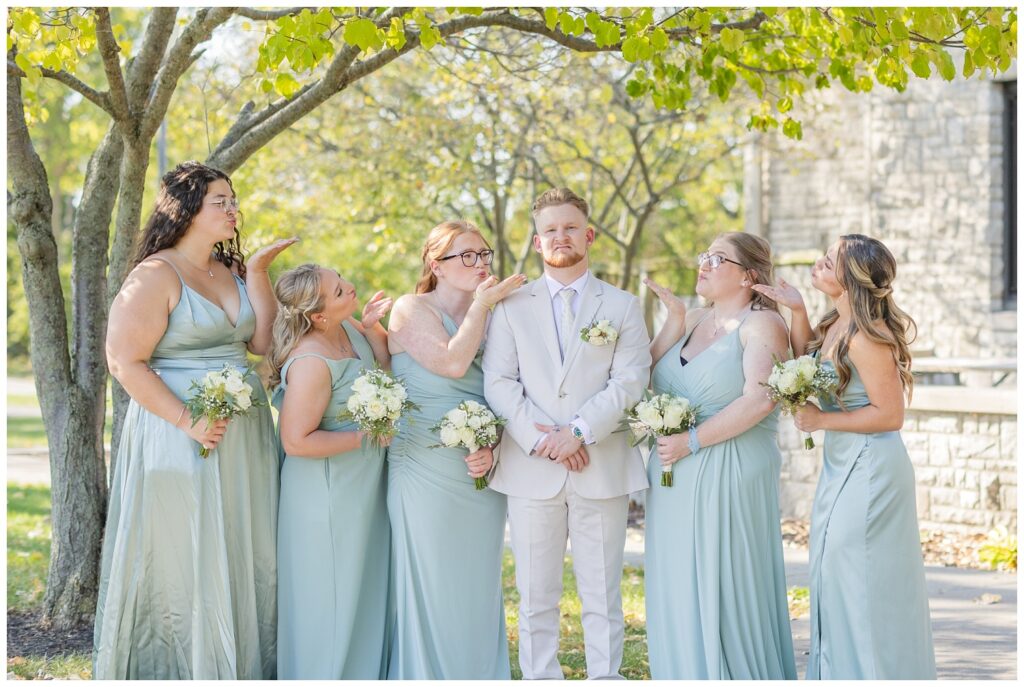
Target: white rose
[
  {"x": 598, "y": 340},
  {"x": 651, "y": 417},
  {"x": 353, "y": 404},
  {"x": 375, "y": 410},
  {"x": 394, "y": 404},
  {"x": 362, "y": 386},
  {"x": 788, "y": 382},
  {"x": 234, "y": 384},
  {"x": 674, "y": 416},
  {"x": 458, "y": 417},
  {"x": 474, "y": 407},
  {"x": 467, "y": 437},
  {"x": 449, "y": 437},
  {"x": 807, "y": 366},
  {"x": 243, "y": 401},
  {"x": 476, "y": 422}
]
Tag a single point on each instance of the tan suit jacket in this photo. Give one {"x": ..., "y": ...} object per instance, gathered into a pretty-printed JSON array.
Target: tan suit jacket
[{"x": 526, "y": 382}]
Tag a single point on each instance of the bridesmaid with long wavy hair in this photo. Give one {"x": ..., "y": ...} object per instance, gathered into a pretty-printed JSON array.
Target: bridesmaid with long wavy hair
[
  {"x": 869, "y": 604},
  {"x": 334, "y": 539},
  {"x": 188, "y": 576}
]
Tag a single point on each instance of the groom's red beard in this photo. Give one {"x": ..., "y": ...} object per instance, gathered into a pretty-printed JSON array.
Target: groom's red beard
[{"x": 564, "y": 258}]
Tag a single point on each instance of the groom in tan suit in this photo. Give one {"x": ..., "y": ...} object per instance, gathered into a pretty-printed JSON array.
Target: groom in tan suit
[{"x": 564, "y": 471}]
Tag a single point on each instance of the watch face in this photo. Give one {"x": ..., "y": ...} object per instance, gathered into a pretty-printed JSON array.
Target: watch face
[{"x": 577, "y": 432}]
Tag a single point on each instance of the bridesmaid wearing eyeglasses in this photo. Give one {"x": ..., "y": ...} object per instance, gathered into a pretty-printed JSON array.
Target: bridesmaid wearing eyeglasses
[
  {"x": 714, "y": 573},
  {"x": 189, "y": 572},
  {"x": 447, "y": 537}
]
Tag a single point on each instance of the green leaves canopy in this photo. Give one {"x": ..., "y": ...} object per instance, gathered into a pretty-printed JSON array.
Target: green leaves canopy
[{"x": 779, "y": 54}]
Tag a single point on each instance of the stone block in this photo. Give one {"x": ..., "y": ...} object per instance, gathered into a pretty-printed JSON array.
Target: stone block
[
  {"x": 1008, "y": 498},
  {"x": 970, "y": 498},
  {"x": 947, "y": 424},
  {"x": 926, "y": 476},
  {"x": 943, "y": 496}
]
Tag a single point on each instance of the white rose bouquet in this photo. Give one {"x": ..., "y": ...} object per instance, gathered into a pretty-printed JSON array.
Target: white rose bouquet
[
  {"x": 221, "y": 395},
  {"x": 792, "y": 382},
  {"x": 376, "y": 403},
  {"x": 599, "y": 333},
  {"x": 470, "y": 425},
  {"x": 660, "y": 416}
]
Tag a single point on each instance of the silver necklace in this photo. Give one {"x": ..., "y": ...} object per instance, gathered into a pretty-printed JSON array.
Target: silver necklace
[{"x": 208, "y": 270}]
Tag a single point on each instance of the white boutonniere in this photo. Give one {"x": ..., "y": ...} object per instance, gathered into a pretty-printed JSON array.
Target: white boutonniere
[{"x": 599, "y": 333}]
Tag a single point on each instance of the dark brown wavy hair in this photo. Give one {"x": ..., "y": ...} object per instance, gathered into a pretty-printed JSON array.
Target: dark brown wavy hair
[
  {"x": 866, "y": 269},
  {"x": 180, "y": 198}
]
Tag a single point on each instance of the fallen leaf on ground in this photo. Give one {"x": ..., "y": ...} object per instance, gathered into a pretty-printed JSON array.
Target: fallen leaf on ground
[{"x": 989, "y": 599}]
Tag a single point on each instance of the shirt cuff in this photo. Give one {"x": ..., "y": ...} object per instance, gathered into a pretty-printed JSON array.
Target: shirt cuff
[{"x": 588, "y": 436}]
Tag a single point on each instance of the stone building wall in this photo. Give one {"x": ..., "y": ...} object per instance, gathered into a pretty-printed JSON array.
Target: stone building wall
[{"x": 922, "y": 171}]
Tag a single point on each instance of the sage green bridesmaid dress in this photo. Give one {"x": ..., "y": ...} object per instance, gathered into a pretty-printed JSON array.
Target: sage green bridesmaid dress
[
  {"x": 448, "y": 540},
  {"x": 869, "y": 603},
  {"x": 714, "y": 573},
  {"x": 333, "y": 547},
  {"x": 189, "y": 567}
]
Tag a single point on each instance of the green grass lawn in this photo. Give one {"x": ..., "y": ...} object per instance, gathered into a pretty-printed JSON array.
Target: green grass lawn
[
  {"x": 28, "y": 552},
  {"x": 28, "y": 432}
]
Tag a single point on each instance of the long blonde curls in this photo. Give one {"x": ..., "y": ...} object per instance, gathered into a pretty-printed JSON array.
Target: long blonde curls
[
  {"x": 298, "y": 295},
  {"x": 866, "y": 269},
  {"x": 439, "y": 241}
]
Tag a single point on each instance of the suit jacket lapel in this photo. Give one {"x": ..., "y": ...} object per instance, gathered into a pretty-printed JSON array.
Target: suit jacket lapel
[
  {"x": 590, "y": 303},
  {"x": 544, "y": 319}
]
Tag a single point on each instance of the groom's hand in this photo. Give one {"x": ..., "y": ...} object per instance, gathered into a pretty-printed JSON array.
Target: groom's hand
[{"x": 559, "y": 444}]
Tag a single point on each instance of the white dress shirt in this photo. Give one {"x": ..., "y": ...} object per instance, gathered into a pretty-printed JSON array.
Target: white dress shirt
[{"x": 554, "y": 288}]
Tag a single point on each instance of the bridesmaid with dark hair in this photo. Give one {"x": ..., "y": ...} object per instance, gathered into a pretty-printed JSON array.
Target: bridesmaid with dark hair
[
  {"x": 188, "y": 577},
  {"x": 869, "y": 604}
]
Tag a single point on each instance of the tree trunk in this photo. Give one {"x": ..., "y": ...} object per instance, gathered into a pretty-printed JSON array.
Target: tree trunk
[
  {"x": 73, "y": 418},
  {"x": 78, "y": 502},
  {"x": 134, "y": 165}
]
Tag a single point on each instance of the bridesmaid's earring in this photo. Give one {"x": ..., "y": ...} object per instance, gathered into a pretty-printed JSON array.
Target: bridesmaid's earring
[{"x": 744, "y": 283}]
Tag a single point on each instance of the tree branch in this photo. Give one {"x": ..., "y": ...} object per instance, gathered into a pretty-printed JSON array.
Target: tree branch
[
  {"x": 271, "y": 15},
  {"x": 179, "y": 59},
  {"x": 100, "y": 100},
  {"x": 30, "y": 208},
  {"x": 109, "y": 50},
  {"x": 144, "y": 66}
]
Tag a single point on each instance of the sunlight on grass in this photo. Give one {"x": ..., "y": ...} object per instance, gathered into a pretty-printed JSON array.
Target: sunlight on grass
[
  {"x": 28, "y": 544},
  {"x": 571, "y": 649}
]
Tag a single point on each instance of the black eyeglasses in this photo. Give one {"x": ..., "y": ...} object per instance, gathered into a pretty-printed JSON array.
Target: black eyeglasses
[
  {"x": 715, "y": 261},
  {"x": 469, "y": 257}
]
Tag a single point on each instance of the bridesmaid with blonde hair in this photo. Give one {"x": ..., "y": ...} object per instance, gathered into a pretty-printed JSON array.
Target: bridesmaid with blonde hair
[
  {"x": 333, "y": 533},
  {"x": 448, "y": 537},
  {"x": 869, "y": 604}
]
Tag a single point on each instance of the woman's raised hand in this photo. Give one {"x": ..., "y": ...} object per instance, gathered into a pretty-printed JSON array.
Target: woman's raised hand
[
  {"x": 491, "y": 291},
  {"x": 784, "y": 294},
  {"x": 376, "y": 308},
  {"x": 261, "y": 259},
  {"x": 676, "y": 306}
]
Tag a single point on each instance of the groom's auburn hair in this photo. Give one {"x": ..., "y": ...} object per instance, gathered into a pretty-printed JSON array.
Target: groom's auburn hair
[{"x": 561, "y": 196}]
